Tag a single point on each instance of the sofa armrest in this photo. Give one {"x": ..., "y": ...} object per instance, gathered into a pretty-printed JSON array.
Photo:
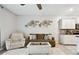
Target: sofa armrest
[
  {"x": 52, "y": 41},
  {"x": 23, "y": 41},
  {"x": 7, "y": 42}
]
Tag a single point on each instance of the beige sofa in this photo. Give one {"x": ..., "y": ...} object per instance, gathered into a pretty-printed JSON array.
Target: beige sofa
[{"x": 15, "y": 41}]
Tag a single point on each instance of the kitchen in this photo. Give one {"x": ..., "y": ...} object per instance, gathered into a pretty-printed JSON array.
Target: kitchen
[{"x": 69, "y": 32}]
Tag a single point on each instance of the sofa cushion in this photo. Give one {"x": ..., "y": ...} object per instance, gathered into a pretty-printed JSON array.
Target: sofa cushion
[{"x": 40, "y": 36}]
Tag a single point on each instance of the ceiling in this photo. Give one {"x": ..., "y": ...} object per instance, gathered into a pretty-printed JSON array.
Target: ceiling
[{"x": 47, "y": 9}]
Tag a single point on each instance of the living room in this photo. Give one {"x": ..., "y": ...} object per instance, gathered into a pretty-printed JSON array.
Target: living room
[{"x": 55, "y": 22}]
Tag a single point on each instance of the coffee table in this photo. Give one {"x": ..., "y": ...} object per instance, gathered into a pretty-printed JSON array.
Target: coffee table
[{"x": 38, "y": 48}]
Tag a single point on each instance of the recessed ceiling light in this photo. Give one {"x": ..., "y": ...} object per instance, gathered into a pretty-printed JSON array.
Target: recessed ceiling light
[{"x": 71, "y": 9}]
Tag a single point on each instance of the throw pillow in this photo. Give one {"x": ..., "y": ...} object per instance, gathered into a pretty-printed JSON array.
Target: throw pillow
[
  {"x": 46, "y": 37},
  {"x": 34, "y": 37},
  {"x": 50, "y": 37},
  {"x": 30, "y": 37}
]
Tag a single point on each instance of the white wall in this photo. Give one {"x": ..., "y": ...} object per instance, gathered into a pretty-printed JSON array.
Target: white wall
[
  {"x": 23, "y": 20},
  {"x": 77, "y": 20},
  {"x": 10, "y": 23},
  {"x": 7, "y": 24}
]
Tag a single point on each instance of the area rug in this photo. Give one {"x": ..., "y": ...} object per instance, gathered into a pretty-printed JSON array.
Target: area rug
[
  {"x": 24, "y": 51},
  {"x": 21, "y": 51}
]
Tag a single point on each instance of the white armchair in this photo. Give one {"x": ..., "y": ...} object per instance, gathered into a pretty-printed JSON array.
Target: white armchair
[{"x": 17, "y": 40}]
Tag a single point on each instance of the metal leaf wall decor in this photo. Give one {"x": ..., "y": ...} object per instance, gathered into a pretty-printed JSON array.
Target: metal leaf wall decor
[{"x": 34, "y": 23}]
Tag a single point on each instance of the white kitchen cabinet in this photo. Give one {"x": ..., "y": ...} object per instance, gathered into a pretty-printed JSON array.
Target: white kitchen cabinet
[
  {"x": 77, "y": 44},
  {"x": 77, "y": 20},
  {"x": 61, "y": 39},
  {"x": 67, "y": 24},
  {"x": 67, "y": 39}
]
